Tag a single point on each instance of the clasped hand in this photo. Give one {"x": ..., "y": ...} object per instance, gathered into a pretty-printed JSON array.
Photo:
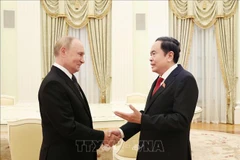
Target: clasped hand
[{"x": 111, "y": 137}]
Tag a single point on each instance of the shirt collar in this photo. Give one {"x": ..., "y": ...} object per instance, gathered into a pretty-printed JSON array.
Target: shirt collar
[
  {"x": 63, "y": 69},
  {"x": 169, "y": 71}
]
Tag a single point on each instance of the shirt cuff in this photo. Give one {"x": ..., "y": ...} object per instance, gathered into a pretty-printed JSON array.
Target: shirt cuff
[{"x": 122, "y": 134}]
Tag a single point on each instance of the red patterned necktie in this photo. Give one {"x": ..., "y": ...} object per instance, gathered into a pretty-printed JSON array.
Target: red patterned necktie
[{"x": 157, "y": 86}]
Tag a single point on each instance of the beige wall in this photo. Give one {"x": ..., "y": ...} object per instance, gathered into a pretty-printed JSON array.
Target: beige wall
[
  {"x": 8, "y": 53},
  {"x": 28, "y": 50},
  {"x": 157, "y": 25},
  {"x": 122, "y": 49},
  {"x": 140, "y": 49},
  {"x": 20, "y": 51}
]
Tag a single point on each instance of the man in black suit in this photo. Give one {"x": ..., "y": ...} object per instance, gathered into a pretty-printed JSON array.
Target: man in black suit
[
  {"x": 67, "y": 128},
  {"x": 166, "y": 119}
]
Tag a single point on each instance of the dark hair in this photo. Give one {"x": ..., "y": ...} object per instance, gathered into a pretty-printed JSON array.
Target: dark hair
[{"x": 170, "y": 44}]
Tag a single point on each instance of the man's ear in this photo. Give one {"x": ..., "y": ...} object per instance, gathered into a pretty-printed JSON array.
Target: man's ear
[
  {"x": 63, "y": 51},
  {"x": 170, "y": 56}
]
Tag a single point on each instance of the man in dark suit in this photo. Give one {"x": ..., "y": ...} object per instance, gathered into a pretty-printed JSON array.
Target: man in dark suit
[
  {"x": 67, "y": 128},
  {"x": 166, "y": 119}
]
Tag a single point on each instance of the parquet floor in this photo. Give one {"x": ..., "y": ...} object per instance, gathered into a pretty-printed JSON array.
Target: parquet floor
[{"x": 227, "y": 128}]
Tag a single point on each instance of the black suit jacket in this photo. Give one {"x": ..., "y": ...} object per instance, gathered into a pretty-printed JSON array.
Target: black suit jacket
[
  {"x": 166, "y": 119},
  {"x": 67, "y": 128}
]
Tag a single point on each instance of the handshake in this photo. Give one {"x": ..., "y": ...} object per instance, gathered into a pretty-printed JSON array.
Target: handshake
[{"x": 111, "y": 137}]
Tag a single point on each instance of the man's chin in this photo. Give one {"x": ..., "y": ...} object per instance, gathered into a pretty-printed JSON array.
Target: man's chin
[
  {"x": 153, "y": 70},
  {"x": 77, "y": 69}
]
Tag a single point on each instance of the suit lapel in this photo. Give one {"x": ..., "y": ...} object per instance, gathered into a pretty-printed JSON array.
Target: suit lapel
[
  {"x": 150, "y": 94},
  {"x": 75, "y": 90},
  {"x": 170, "y": 79},
  {"x": 82, "y": 98},
  {"x": 85, "y": 100}
]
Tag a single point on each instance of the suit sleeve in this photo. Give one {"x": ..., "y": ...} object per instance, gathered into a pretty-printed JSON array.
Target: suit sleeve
[
  {"x": 56, "y": 106},
  {"x": 130, "y": 129},
  {"x": 185, "y": 99}
]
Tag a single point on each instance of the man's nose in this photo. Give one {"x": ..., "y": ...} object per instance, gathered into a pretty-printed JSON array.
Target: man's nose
[
  {"x": 82, "y": 60},
  {"x": 150, "y": 58}
]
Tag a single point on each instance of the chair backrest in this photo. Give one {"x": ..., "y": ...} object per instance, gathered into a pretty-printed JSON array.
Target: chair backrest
[
  {"x": 136, "y": 98},
  {"x": 104, "y": 153},
  {"x": 25, "y": 138},
  {"x": 7, "y": 100},
  {"x": 129, "y": 148}
]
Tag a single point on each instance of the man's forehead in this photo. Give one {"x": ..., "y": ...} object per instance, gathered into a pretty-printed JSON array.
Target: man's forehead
[
  {"x": 77, "y": 43},
  {"x": 156, "y": 44}
]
